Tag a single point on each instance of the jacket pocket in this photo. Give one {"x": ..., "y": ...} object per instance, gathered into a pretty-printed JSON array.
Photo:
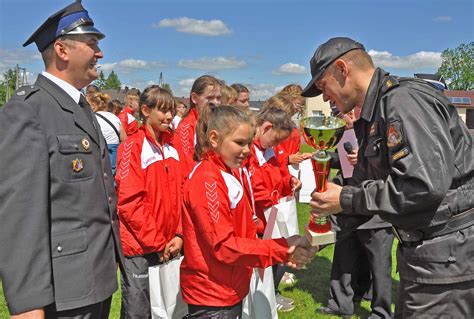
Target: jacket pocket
[
  {"x": 71, "y": 269},
  {"x": 77, "y": 161}
]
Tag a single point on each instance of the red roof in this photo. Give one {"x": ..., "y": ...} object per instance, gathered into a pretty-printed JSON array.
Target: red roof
[{"x": 461, "y": 94}]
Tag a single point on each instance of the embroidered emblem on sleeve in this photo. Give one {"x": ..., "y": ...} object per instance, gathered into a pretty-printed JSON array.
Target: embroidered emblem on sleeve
[
  {"x": 395, "y": 134},
  {"x": 212, "y": 200},
  {"x": 400, "y": 154},
  {"x": 125, "y": 161}
]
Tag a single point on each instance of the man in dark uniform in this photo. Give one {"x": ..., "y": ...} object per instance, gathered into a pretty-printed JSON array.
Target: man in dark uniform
[
  {"x": 416, "y": 168},
  {"x": 59, "y": 229},
  {"x": 362, "y": 255}
]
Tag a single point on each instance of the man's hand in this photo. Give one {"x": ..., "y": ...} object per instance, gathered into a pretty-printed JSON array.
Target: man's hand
[
  {"x": 295, "y": 184},
  {"x": 326, "y": 203},
  {"x": 300, "y": 251},
  {"x": 172, "y": 248},
  {"x": 33, "y": 314}
]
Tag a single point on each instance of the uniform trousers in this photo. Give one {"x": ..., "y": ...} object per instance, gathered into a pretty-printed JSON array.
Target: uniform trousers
[
  {"x": 377, "y": 245},
  {"x": 98, "y": 310}
]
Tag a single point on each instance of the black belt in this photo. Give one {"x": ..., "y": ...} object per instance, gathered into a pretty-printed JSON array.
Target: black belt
[{"x": 415, "y": 237}]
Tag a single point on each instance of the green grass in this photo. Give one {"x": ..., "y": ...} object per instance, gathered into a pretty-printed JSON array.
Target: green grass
[{"x": 310, "y": 291}]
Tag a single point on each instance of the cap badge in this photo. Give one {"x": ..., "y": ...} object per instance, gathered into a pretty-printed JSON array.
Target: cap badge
[
  {"x": 389, "y": 83},
  {"x": 77, "y": 165},
  {"x": 85, "y": 144}
]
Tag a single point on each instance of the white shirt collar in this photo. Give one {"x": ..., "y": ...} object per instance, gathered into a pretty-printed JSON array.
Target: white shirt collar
[{"x": 74, "y": 93}]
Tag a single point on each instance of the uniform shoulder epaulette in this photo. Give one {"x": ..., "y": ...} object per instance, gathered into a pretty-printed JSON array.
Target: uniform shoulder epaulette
[
  {"x": 25, "y": 92},
  {"x": 389, "y": 83}
]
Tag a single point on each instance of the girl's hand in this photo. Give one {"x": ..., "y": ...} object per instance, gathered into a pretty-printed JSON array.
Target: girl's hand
[
  {"x": 295, "y": 184},
  {"x": 172, "y": 248}
]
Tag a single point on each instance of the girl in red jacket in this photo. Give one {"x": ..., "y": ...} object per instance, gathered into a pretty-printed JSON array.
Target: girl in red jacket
[
  {"x": 149, "y": 185},
  {"x": 205, "y": 92},
  {"x": 221, "y": 244},
  {"x": 271, "y": 180}
]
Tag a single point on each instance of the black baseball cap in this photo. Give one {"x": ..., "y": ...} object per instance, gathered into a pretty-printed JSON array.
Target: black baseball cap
[
  {"x": 72, "y": 19},
  {"x": 325, "y": 54}
]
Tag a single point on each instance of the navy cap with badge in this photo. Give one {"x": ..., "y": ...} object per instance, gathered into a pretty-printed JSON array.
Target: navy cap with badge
[
  {"x": 73, "y": 19},
  {"x": 325, "y": 54}
]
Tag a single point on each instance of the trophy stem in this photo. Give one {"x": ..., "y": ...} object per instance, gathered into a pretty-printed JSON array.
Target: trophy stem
[{"x": 319, "y": 230}]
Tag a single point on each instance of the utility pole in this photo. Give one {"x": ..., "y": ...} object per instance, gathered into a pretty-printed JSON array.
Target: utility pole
[
  {"x": 160, "y": 82},
  {"x": 20, "y": 80}
]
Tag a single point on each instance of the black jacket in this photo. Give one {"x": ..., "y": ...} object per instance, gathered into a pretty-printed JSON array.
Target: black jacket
[{"x": 415, "y": 161}]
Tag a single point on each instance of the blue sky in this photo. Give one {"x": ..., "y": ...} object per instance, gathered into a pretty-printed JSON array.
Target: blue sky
[{"x": 264, "y": 44}]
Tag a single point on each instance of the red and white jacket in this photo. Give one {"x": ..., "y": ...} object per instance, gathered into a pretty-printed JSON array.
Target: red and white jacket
[
  {"x": 220, "y": 245},
  {"x": 288, "y": 147},
  {"x": 185, "y": 138},
  {"x": 270, "y": 181},
  {"x": 149, "y": 186},
  {"x": 129, "y": 122}
]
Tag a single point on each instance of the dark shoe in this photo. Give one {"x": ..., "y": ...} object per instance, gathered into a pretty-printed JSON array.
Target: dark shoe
[{"x": 329, "y": 311}]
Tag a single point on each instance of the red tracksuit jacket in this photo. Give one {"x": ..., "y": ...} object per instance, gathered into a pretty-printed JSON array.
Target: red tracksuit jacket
[
  {"x": 270, "y": 181},
  {"x": 220, "y": 242},
  {"x": 149, "y": 187},
  {"x": 288, "y": 147},
  {"x": 129, "y": 122},
  {"x": 184, "y": 138}
]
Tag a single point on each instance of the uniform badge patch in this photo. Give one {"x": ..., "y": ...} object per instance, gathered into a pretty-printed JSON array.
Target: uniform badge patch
[
  {"x": 400, "y": 154},
  {"x": 77, "y": 165},
  {"x": 395, "y": 134},
  {"x": 85, "y": 143}
]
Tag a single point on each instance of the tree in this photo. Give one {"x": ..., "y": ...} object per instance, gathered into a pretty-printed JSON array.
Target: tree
[
  {"x": 7, "y": 86},
  {"x": 457, "y": 67},
  {"x": 167, "y": 87},
  {"x": 100, "y": 81},
  {"x": 112, "y": 82}
]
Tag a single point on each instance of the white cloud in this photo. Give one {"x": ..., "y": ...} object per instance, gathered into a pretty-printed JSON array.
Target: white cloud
[
  {"x": 262, "y": 91},
  {"x": 418, "y": 60},
  {"x": 443, "y": 19},
  {"x": 9, "y": 58},
  {"x": 200, "y": 27},
  {"x": 290, "y": 68},
  {"x": 129, "y": 65},
  {"x": 184, "y": 87},
  {"x": 212, "y": 64}
]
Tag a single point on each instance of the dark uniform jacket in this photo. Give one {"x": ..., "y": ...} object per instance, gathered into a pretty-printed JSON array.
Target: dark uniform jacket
[
  {"x": 415, "y": 165},
  {"x": 59, "y": 233}
]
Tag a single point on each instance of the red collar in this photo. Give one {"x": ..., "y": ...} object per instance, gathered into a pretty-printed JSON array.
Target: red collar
[
  {"x": 128, "y": 110},
  {"x": 165, "y": 137},
  {"x": 216, "y": 159}
]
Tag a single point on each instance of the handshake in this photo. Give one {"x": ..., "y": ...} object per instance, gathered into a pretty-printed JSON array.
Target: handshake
[{"x": 300, "y": 252}]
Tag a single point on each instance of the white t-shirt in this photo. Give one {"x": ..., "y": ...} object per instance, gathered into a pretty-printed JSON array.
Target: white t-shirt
[
  {"x": 176, "y": 121},
  {"x": 108, "y": 132}
]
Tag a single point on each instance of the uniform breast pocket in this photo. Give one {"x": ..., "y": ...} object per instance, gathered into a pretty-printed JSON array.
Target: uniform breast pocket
[
  {"x": 373, "y": 151},
  {"x": 77, "y": 161}
]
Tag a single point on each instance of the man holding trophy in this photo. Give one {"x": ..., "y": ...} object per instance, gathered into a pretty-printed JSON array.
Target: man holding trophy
[{"x": 415, "y": 170}]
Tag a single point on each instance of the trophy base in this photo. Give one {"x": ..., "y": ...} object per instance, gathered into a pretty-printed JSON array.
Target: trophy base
[{"x": 318, "y": 239}]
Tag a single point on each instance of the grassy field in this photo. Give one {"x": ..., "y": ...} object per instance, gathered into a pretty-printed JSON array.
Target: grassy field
[{"x": 309, "y": 292}]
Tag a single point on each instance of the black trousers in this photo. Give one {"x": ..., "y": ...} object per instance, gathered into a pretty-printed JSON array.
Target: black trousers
[
  {"x": 136, "y": 290},
  {"x": 376, "y": 246},
  {"x": 99, "y": 310},
  {"x": 231, "y": 312}
]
